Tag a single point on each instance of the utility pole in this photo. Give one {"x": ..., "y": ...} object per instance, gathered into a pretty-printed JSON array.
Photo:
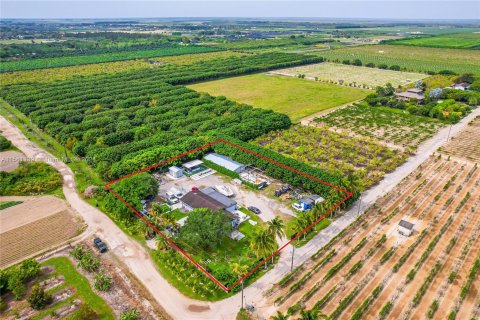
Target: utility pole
[
  {"x": 293, "y": 253},
  {"x": 242, "y": 294},
  {"x": 449, "y": 131},
  {"x": 359, "y": 205}
]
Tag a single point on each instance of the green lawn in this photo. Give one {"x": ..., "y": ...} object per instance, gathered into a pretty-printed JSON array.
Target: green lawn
[
  {"x": 295, "y": 97},
  {"x": 83, "y": 291}
]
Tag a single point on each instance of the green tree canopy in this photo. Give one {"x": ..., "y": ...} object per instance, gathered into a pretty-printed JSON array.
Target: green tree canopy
[{"x": 205, "y": 229}]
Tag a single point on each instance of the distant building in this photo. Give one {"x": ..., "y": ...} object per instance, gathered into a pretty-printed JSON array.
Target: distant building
[
  {"x": 410, "y": 94},
  {"x": 405, "y": 228},
  {"x": 225, "y": 162},
  {"x": 460, "y": 86}
]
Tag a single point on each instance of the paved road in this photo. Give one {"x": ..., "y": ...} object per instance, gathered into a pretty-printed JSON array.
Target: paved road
[{"x": 137, "y": 258}]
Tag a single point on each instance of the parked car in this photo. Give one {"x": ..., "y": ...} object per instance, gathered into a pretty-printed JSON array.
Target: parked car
[
  {"x": 262, "y": 185},
  {"x": 254, "y": 210},
  {"x": 171, "y": 198},
  {"x": 194, "y": 188},
  {"x": 101, "y": 246}
]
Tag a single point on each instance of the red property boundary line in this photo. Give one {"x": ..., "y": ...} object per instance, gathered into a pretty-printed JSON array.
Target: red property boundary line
[{"x": 206, "y": 146}]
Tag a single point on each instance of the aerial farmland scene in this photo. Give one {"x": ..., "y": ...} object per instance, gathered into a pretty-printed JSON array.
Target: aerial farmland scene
[{"x": 239, "y": 160}]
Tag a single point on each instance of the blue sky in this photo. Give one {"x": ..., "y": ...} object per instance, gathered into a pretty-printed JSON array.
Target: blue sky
[{"x": 386, "y": 9}]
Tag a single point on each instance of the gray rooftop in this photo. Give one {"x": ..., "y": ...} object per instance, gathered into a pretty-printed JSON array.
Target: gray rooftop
[
  {"x": 214, "y": 194},
  {"x": 406, "y": 224}
]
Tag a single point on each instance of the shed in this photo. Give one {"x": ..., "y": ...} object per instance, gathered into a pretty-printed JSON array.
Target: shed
[
  {"x": 310, "y": 201},
  {"x": 405, "y": 228},
  {"x": 225, "y": 162},
  {"x": 175, "y": 172}
]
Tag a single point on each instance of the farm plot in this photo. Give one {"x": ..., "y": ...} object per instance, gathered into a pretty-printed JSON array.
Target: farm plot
[
  {"x": 296, "y": 98},
  {"x": 469, "y": 40},
  {"x": 46, "y": 219},
  {"x": 371, "y": 271},
  {"x": 384, "y": 124},
  {"x": 335, "y": 152},
  {"x": 62, "y": 73},
  {"x": 352, "y": 75},
  {"x": 467, "y": 143},
  {"x": 417, "y": 59},
  {"x": 62, "y": 61}
]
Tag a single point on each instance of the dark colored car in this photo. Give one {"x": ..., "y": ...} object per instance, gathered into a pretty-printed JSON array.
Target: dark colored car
[
  {"x": 101, "y": 246},
  {"x": 254, "y": 210}
]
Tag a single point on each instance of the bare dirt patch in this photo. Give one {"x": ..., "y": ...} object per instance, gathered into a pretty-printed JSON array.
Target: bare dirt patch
[
  {"x": 9, "y": 160},
  {"x": 48, "y": 220}
]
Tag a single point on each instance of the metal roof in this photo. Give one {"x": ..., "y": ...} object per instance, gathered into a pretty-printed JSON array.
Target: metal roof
[
  {"x": 192, "y": 164},
  {"x": 197, "y": 199},
  {"x": 224, "y": 161},
  {"x": 406, "y": 224},
  {"x": 224, "y": 200}
]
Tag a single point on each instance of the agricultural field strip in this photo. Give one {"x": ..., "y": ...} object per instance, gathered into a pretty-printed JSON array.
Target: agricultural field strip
[
  {"x": 357, "y": 235},
  {"x": 466, "y": 144},
  {"x": 416, "y": 59},
  {"x": 63, "y": 61},
  {"x": 348, "y": 75},
  {"x": 382, "y": 124},
  {"x": 382, "y": 277},
  {"x": 48, "y": 232},
  {"x": 353, "y": 280},
  {"x": 468, "y": 230},
  {"x": 63, "y": 73},
  {"x": 414, "y": 257},
  {"x": 438, "y": 254},
  {"x": 408, "y": 182},
  {"x": 424, "y": 239}
]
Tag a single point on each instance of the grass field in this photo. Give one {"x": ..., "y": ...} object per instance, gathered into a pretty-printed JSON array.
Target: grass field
[
  {"x": 62, "y": 73},
  {"x": 410, "y": 58},
  {"x": 457, "y": 41},
  {"x": 384, "y": 124},
  {"x": 297, "y": 98},
  {"x": 348, "y": 74}
]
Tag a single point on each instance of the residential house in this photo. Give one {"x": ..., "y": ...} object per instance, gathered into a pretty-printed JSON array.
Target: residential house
[{"x": 411, "y": 94}]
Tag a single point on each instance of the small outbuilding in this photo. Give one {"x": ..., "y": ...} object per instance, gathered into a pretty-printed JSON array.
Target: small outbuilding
[
  {"x": 405, "y": 228},
  {"x": 461, "y": 86},
  {"x": 175, "y": 172},
  {"x": 225, "y": 162}
]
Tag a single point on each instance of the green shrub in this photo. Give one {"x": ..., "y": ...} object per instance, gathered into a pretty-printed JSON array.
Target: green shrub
[
  {"x": 132, "y": 314},
  {"x": 38, "y": 298},
  {"x": 4, "y": 143},
  {"x": 102, "y": 281}
]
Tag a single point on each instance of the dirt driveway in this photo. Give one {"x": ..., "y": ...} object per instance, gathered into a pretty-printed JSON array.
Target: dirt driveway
[{"x": 244, "y": 197}]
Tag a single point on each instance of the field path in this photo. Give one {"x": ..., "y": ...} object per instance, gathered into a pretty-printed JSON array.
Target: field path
[{"x": 138, "y": 259}]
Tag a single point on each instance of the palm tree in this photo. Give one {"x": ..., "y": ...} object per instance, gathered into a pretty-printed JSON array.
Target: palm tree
[
  {"x": 161, "y": 243},
  {"x": 353, "y": 183},
  {"x": 241, "y": 271},
  {"x": 280, "y": 316},
  {"x": 263, "y": 244},
  {"x": 309, "y": 314},
  {"x": 276, "y": 227}
]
